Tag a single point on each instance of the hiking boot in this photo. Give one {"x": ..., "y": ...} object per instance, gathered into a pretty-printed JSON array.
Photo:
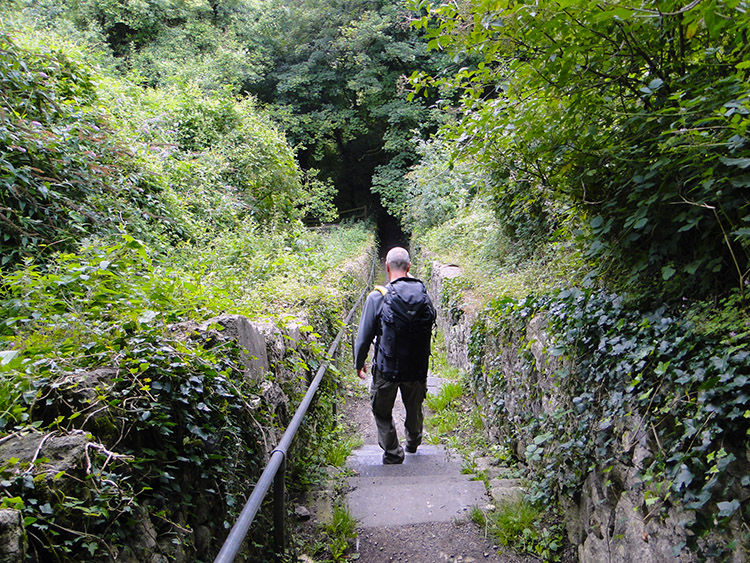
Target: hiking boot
[
  {"x": 411, "y": 449},
  {"x": 393, "y": 459}
]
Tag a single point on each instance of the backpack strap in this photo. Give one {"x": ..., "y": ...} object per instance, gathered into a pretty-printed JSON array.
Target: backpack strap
[{"x": 381, "y": 289}]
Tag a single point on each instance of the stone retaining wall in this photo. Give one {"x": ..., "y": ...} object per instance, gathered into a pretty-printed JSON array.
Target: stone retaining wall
[
  {"x": 66, "y": 454},
  {"x": 608, "y": 520},
  {"x": 271, "y": 359}
]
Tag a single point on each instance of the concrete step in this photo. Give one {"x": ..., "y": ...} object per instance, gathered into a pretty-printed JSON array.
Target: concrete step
[
  {"x": 429, "y": 460},
  {"x": 416, "y": 503},
  {"x": 427, "y": 487}
]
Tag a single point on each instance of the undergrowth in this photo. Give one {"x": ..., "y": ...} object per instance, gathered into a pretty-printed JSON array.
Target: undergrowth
[
  {"x": 522, "y": 526},
  {"x": 491, "y": 263},
  {"x": 100, "y": 347}
]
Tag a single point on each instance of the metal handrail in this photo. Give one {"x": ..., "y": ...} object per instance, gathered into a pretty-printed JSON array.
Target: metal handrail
[{"x": 276, "y": 467}]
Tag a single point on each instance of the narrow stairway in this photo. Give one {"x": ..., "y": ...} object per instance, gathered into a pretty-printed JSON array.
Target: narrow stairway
[{"x": 417, "y": 512}]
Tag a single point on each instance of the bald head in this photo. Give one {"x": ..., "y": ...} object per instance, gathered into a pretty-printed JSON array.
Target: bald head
[{"x": 397, "y": 261}]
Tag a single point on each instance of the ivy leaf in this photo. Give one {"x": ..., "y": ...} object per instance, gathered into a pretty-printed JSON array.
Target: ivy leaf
[
  {"x": 684, "y": 478},
  {"x": 740, "y": 162},
  {"x": 667, "y": 272},
  {"x": 727, "y": 508}
]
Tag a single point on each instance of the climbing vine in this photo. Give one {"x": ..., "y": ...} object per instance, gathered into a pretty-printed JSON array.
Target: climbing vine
[
  {"x": 674, "y": 382},
  {"x": 164, "y": 430}
]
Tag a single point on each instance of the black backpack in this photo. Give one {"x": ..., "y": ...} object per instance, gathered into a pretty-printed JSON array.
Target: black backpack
[{"x": 406, "y": 319}]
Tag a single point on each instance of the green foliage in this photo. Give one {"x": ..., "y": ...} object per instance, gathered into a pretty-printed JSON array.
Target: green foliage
[
  {"x": 335, "y": 80},
  {"x": 169, "y": 165},
  {"x": 521, "y": 526},
  {"x": 340, "y": 447},
  {"x": 341, "y": 531},
  {"x": 632, "y": 117},
  {"x": 451, "y": 420},
  {"x": 64, "y": 173},
  {"x": 332, "y": 74},
  {"x": 177, "y": 414},
  {"x": 153, "y": 208},
  {"x": 491, "y": 263},
  {"x": 447, "y": 393},
  {"x": 211, "y": 44},
  {"x": 679, "y": 387},
  {"x": 437, "y": 188},
  {"x": 172, "y": 430}
]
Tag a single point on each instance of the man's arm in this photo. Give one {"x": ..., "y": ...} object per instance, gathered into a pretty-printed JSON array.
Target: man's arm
[{"x": 366, "y": 332}]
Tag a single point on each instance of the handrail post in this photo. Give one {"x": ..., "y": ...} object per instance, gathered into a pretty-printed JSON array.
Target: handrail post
[{"x": 279, "y": 509}]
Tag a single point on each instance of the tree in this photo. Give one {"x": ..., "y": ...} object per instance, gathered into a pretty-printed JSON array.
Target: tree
[
  {"x": 633, "y": 116},
  {"x": 337, "y": 83}
]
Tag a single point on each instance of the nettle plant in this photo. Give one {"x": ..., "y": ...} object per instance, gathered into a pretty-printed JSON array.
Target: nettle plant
[{"x": 678, "y": 378}]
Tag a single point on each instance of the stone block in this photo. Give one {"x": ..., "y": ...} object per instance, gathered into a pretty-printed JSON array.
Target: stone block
[
  {"x": 239, "y": 329},
  {"x": 505, "y": 490},
  {"x": 12, "y": 536}
]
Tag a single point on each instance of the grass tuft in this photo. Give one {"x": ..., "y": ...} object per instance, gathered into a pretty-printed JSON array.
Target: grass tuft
[{"x": 447, "y": 394}]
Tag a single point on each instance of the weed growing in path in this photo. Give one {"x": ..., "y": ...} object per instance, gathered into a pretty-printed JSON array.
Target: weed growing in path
[{"x": 520, "y": 525}]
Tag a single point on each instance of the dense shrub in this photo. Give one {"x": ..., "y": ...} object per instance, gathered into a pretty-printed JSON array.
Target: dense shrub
[
  {"x": 64, "y": 174},
  {"x": 627, "y": 119}
]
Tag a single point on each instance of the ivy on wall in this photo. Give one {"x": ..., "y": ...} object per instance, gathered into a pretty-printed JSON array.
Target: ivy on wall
[{"x": 678, "y": 379}]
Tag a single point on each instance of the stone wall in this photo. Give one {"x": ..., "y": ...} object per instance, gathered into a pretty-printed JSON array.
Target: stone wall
[
  {"x": 456, "y": 329},
  {"x": 12, "y": 536},
  {"x": 59, "y": 462},
  {"x": 608, "y": 519}
]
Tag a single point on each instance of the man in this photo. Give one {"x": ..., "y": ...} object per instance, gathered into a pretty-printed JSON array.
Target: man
[{"x": 401, "y": 315}]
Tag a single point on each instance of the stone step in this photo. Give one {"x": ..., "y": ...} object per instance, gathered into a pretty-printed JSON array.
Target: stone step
[
  {"x": 429, "y": 460},
  {"x": 427, "y": 487},
  {"x": 436, "y": 501}
]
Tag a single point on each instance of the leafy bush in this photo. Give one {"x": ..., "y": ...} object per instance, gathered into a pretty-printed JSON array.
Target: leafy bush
[
  {"x": 626, "y": 119},
  {"x": 170, "y": 165},
  {"x": 174, "y": 418},
  {"x": 176, "y": 414},
  {"x": 437, "y": 188},
  {"x": 64, "y": 174}
]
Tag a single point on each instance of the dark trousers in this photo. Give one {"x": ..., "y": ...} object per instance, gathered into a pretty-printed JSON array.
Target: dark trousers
[{"x": 382, "y": 398}]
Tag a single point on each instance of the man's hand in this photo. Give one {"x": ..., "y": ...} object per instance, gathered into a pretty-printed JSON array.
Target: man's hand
[{"x": 362, "y": 373}]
